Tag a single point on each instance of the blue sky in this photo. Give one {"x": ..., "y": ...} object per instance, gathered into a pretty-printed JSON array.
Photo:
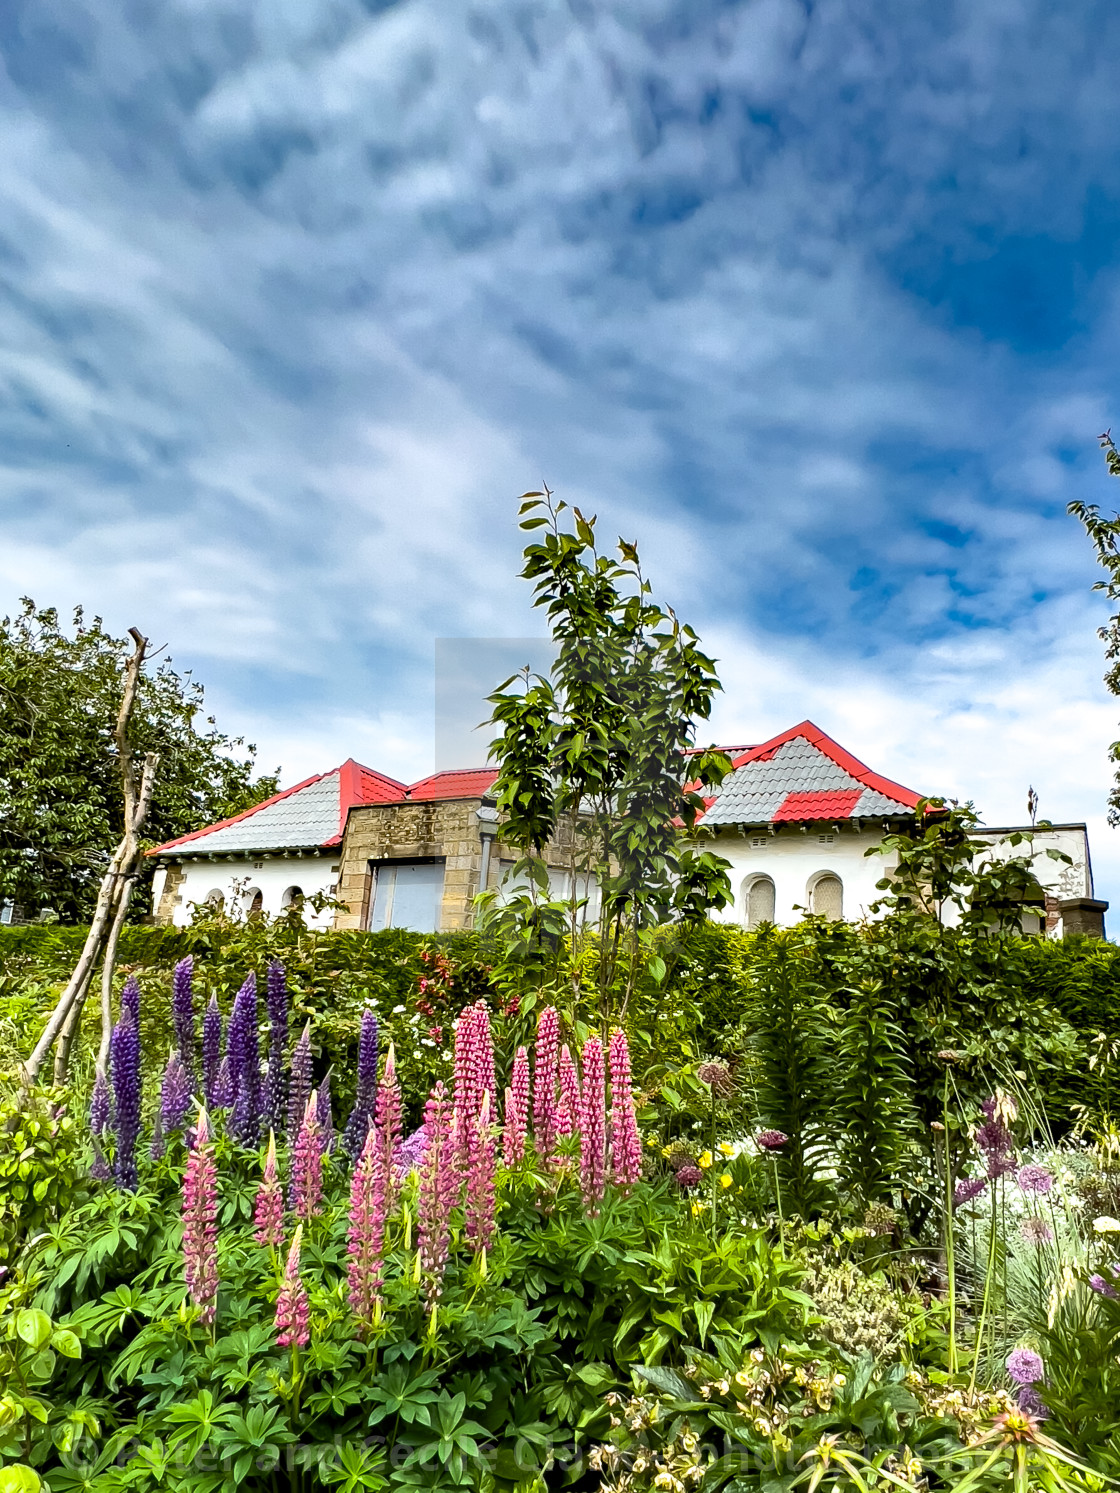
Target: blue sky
[{"x": 817, "y": 301}]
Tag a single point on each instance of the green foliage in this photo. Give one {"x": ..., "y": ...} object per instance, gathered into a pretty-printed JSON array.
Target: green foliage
[
  {"x": 33, "y": 1427},
  {"x": 1105, "y": 534},
  {"x": 38, "y": 1145},
  {"x": 1082, "y": 1389},
  {"x": 60, "y": 799}
]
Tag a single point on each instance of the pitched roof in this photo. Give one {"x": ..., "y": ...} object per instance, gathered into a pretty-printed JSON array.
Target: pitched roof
[
  {"x": 457, "y": 782},
  {"x": 800, "y": 776},
  {"x": 310, "y": 816}
]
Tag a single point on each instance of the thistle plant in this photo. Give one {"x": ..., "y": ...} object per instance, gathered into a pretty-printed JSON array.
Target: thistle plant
[{"x": 200, "y": 1224}]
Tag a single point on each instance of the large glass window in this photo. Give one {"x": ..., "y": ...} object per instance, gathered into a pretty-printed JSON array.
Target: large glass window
[
  {"x": 407, "y": 894},
  {"x": 760, "y": 901}
]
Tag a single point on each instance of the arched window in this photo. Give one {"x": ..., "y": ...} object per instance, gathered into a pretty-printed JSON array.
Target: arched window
[
  {"x": 215, "y": 900},
  {"x": 254, "y": 903},
  {"x": 759, "y": 901},
  {"x": 293, "y": 897},
  {"x": 827, "y": 897}
]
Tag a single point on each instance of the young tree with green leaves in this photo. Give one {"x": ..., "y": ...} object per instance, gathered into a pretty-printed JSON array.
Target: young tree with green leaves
[
  {"x": 599, "y": 756},
  {"x": 61, "y": 812},
  {"x": 1105, "y": 534}
]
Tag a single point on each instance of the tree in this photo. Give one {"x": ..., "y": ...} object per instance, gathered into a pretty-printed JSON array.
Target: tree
[
  {"x": 61, "y": 809},
  {"x": 599, "y": 755},
  {"x": 1105, "y": 534}
]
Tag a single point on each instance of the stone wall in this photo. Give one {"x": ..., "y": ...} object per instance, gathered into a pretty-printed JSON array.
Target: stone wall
[{"x": 169, "y": 895}]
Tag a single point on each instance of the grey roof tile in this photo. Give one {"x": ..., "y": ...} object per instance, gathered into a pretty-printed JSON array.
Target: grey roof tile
[{"x": 303, "y": 820}]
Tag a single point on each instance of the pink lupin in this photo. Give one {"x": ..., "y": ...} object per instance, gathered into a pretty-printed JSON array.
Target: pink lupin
[
  {"x": 544, "y": 1081},
  {"x": 366, "y": 1236},
  {"x": 517, "y": 1110},
  {"x": 439, "y": 1186},
  {"x": 626, "y": 1145},
  {"x": 268, "y": 1210},
  {"x": 387, "y": 1116},
  {"x": 480, "y": 1198},
  {"x": 593, "y": 1126},
  {"x": 307, "y": 1165},
  {"x": 200, "y": 1224},
  {"x": 293, "y": 1310},
  {"x": 569, "y": 1085}
]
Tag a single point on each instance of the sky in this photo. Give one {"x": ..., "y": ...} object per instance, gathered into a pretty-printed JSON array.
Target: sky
[{"x": 816, "y": 300}]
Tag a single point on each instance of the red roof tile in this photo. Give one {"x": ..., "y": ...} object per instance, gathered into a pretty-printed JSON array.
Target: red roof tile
[
  {"x": 460, "y": 782},
  {"x": 835, "y": 804}
]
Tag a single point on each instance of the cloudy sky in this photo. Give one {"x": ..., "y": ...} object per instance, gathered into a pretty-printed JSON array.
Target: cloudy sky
[{"x": 815, "y": 299}]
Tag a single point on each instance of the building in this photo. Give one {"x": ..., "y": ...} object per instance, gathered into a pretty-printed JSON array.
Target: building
[{"x": 795, "y": 819}]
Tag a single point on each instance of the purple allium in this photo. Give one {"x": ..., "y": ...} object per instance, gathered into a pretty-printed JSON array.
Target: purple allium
[
  {"x": 276, "y": 1000},
  {"x": 200, "y": 1224},
  {"x": 967, "y": 1189},
  {"x": 1032, "y": 1402},
  {"x": 1035, "y": 1179},
  {"x": 1102, "y": 1287},
  {"x": 223, "y": 1086},
  {"x": 130, "y": 999},
  {"x": 1024, "y": 1366},
  {"x": 325, "y": 1115},
  {"x": 718, "y": 1078},
  {"x": 211, "y": 1051},
  {"x": 293, "y": 1310},
  {"x": 245, "y": 1066},
  {"x": 994, "y": 1142},
  {"x": 771, "y": 1140},
  {"x": 124, "y": 1063},
  {"x": 1036, "y": 1230},
  {"x": 299, "y": 1083},
  {"x": 182, "y": 1013},
  {"x": 175, "y": 1095},
  {"x": 626, "y": 1147},
  {"x": 593, "y": 1126},
  {"x": 689, "y": 1176},
  {"x": 354, "y": 1138},
  {"x": 99, "y": 1105}
]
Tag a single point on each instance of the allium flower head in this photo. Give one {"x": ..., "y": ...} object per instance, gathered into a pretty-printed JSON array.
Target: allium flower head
[
  {"x": 124, "y": 1064},
  {"x": 717, "y": 1076},
  {"x": 771, "y": 1140},
  {"x": 182, "y": 1013},
  {"x": 200, "y": 1223},
  {"x": 268, "y": 1210},
  {"x": 1035, "y": 1179},
  {"x": 1024, "y": 1366},
  {"x": 689, "y": 1176},
  {"x": 293, "y": 1311},
  {"x": 1031, "y": 1402},
  {"x": 1036, "y": 1230},
  {"x": 967, "y": 1189}
]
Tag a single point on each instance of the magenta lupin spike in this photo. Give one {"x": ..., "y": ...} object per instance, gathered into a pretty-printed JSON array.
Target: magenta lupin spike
[
  {"x": 387, "y": 1112},
  {"x": 593, "y": 1126},
  {"x": 517, "y": 1111},
  {"x": 307, "y": 1165},
  {"x": 480, "y": 1197},
  {"x": 268, "y": 1211},
  {"x": 544, "y": 1081},
  {"x": 439, "y": 1186},
  {"x": 369, "y": 1193},
  {"x": 569, "y": 1086},
  {"x": 293, "y": 1310},
  {"x": 626, "y": 1145},
  {"x": 200, "y": 1224}
]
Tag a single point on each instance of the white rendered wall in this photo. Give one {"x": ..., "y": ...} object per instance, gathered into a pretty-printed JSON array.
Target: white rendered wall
[
  {"x": 237, "y": 881},
  {"x": 794, "y": 861}
]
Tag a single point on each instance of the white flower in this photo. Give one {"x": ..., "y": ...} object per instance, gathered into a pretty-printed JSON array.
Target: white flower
[
  {"x": 1107, "y": 1225},
  {"x": 398, "y": 1009}
]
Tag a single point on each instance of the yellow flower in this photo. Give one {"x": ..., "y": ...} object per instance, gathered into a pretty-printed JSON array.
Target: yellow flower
[
  {"x": 725, "y": 1149},
  {"x": 725, "y": 1180},
  {"x": 696, "y": 1210},
  {"x": 706, "y": 1160}
]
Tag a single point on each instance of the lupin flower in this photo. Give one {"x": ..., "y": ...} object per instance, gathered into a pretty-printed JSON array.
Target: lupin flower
[
  {"x": 439, "y": 1186},
  {"x": 474, "y": 1071},
  {"x": 245, "y": 1065},
  {"x": 276, "y": 1001},
  {"x": 99, "y": 1168},
  {"x": 200, "y": 1223},
  {"x": 369, "y": 1190},
  {"x": 626, "y": 1146},
  {"x": 354, "y": 1137},
  {"x": 387, "y": 1115},
  {"x": 211, "y": 1050},
  {"x": 544, "y": 1081},
  {"x": 182, "y": 1013},
  {"x": 570, "y": 1101},
  {"x": 158, "y": 1148},
  {"x": 99, "y": 1105},
  {"x": 223, "y": 1086},
  {"x": 293, "y": 1310},
  {"x": 480, "y": 1196},
  {"x": 516, "y": 1125},
  {"x": 307, "y": 1165},
  {"x": 130, "y": 999},
  {"x": 593, "y": 1126},
  {"x": 268, "y": 1209},
  {"x": 325, "y": 1115},
  {"x": 299, "y": 1082},
  {"x": 175, "y": 1095},
  {"x": 124, "y": 1064}
]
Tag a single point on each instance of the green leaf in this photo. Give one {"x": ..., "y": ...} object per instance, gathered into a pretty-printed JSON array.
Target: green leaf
[
  {"x": 33, "y": 1326},
  {"x": 19, "y": 1479}
]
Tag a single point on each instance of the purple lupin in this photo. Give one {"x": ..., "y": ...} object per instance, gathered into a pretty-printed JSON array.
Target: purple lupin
[
  {"x": 299, "y": 1083},
  {"x": 211, "y": 1051},
  {"x": 276, "y": 999},
  {"x": 182, "y": 1013},
  {"x": 124, "y": 1063},
  {"x": 354, "y": 1137},
  {"x": 130, "y": 999},
  {"x": 245, "y": 1065},
  {"x": 175, "y": 1095}
]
